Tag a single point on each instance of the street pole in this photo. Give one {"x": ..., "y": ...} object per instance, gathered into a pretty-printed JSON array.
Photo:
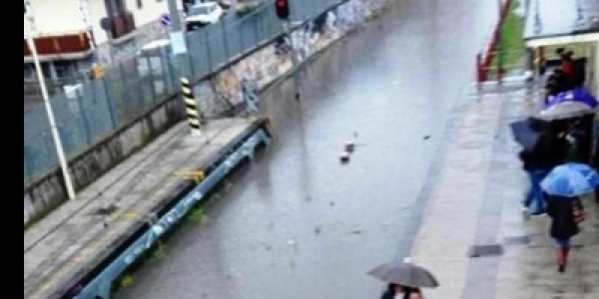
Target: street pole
[
  {"x": 500, "y": 42},
  {"x": 54, "y": 129},
  {"x": 85, "y": 16},
  {"x": 179, "y": 46},
  {"x": 287, "y": 29}
]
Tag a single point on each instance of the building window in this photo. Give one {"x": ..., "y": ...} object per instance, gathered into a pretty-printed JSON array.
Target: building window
[{"x": 140, "y": 4}]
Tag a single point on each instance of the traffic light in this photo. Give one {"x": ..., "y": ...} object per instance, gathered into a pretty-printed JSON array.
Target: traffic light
[{"x": 282, "y": 9}]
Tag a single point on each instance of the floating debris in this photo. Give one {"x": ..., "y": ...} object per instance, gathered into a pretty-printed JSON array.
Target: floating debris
[
  {"x": 350, "y": 147},
  {"x": 426, "y": 137},
  {"x": 317, "y": 230},
  {"x": 344, "y": 157},
  {"x": 357, "y": 232}
]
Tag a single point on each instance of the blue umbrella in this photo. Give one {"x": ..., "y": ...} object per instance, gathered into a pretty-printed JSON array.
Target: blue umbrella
[
  {"x": 570, "y": 180},
  {"x": 589, "y": 172},
  {"x": 576, "y": 95}
]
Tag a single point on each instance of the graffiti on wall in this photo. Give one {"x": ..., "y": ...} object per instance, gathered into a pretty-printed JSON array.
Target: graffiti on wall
[{"x": 272, "y": 62}]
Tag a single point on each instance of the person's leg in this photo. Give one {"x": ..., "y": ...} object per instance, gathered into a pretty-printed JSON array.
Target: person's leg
[
  {"x": 528, "y": 200},
  {"x": 562, "y": 250},
  {"x": 538, "y": 202}
]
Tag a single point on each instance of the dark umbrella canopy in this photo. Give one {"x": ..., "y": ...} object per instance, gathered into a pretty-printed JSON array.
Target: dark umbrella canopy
[
  {"x": 527, "y": 132},
  {"x": 406, "y": 274}
]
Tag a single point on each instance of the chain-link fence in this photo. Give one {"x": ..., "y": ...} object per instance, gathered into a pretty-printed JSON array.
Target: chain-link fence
[{"x": 93, "y": 109}]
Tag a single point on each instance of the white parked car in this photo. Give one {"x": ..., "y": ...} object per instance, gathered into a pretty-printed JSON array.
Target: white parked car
[{"x": 203, "y": 14}]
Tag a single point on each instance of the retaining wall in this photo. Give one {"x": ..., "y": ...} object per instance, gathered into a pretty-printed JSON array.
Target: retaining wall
[{"x": 215, "y": 94}]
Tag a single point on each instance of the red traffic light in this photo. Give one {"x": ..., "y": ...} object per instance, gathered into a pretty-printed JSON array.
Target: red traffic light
[{"x": 282, "y": 9}]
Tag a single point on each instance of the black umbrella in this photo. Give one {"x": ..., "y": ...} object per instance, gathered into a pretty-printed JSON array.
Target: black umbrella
[
  {"x": 527, "y": 132},
  {"x": 406, "y": 274}
]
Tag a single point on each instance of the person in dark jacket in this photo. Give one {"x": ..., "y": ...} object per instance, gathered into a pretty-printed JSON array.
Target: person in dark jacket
[
  {"x": 564, "y": 225},
  {"x": 393, "y": 289},
  {"x": 581, "y": 71},
  {"x": 549, "y": 151}
]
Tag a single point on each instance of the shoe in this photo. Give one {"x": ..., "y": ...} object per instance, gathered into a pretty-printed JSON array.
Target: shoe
[
  {"x": 523, "y": 207},
  {"x": 537, "y": 215},
  {"x": 561, "y": 268}
]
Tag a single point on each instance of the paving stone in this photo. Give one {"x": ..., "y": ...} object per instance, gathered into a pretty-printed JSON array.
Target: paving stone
[{"x": 481, "y": 179}]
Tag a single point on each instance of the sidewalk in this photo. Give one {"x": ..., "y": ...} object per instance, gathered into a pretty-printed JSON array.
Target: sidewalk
[
  {"x": 474, "y": 210},
  {"x": 65, "y": 245}
]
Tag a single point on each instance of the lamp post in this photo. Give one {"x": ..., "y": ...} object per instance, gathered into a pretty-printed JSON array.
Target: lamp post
[
  {"x": 83, "y": 6},
  {"x": 54, "y": 129}
]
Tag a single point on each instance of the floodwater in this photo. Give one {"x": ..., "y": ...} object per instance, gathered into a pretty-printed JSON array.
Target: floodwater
[{"x": 299, "y": 224}]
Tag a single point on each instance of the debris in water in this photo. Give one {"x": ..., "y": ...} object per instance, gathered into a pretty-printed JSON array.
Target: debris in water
[
  {"x": 332, "y": 203},
  {"x": 291, "y": 243},
  {"x": 350, "y": 147},
  {"x": 317, "y": 230},
  {"x": 426, "y": 137},
  {"x": 344, "y": 157},
  {"x": 268, "y": 248},
  {"x": 357, "y": 232}
]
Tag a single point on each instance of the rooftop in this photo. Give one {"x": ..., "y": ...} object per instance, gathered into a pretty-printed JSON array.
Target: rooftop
[{"x": 571, "y": 20}]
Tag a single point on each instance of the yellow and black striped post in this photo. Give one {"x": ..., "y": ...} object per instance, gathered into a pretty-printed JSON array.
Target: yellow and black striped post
[{"x": 194, "y": 117}]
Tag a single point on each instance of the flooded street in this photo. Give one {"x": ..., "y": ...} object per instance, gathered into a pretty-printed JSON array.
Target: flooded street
[{"x": 299, "y": 224}]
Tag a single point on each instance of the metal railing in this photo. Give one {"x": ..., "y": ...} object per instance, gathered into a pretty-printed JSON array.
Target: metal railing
[
  {"x": 513, "y": 64},
  {"x": 95, "y": 108}
]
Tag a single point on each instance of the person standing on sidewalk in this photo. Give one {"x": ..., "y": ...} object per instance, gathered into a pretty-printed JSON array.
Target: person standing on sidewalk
[
  {"x": 397, "y": 291},
  {"x": 565, "y": 215},
  {"x": 568, "y": 66},
  {"x": 548, "y": 152}
]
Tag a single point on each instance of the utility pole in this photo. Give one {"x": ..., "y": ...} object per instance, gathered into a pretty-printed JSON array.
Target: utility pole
[
  {"x": 83, "y": 6},
  {"x": 179, "y": 46},
  {"x": 283, "y": 12},
  {"x": 53, "y": 127}
]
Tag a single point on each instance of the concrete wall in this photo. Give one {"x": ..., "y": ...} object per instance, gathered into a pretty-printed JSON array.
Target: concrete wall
[
  {"x": 263, "y": 66},
  {"x": 48, "y": 192}
]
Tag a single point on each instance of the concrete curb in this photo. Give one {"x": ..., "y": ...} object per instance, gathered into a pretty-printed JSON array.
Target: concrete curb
[{"x": 96, "y": 265}]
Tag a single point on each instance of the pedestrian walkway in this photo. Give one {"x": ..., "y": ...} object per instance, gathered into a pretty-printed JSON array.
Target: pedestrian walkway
[
  {"x": 64, "y": 246},
  {"x": 475, "y": 237}
]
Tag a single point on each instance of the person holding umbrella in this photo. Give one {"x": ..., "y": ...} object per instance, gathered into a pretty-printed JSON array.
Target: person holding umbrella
[
  {"x": 405, "y": 280},
  {"x": 563, "y": 187},
  {"x": 548, "y": 151},
  {"x": 394, "y": 290}
]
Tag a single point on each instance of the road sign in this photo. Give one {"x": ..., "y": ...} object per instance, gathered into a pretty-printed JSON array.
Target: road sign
[{"x": 165, "y": 20}]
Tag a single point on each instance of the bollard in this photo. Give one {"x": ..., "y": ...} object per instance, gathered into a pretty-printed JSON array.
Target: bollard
[{"x": 194, "y": 117}]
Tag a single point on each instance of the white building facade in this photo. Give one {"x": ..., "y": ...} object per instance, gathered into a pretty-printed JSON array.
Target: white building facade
[{"x": 56, "y": 17}]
